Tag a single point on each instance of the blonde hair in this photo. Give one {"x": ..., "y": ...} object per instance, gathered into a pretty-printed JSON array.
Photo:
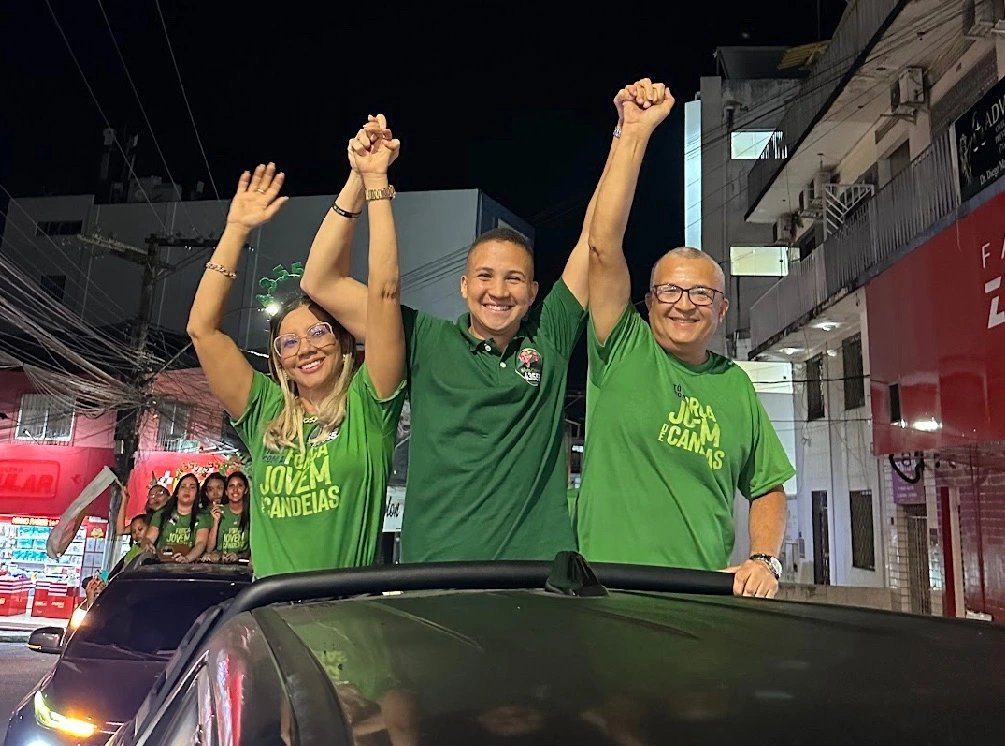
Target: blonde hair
[{"x": 286, "y": 430}]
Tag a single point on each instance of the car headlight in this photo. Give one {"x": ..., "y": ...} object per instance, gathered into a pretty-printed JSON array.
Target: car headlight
[
  {"x": 49, "y": 718},
  {"x": 77, "y": 617}
]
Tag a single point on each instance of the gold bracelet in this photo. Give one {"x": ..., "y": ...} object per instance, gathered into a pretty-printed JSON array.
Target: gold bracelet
[
  {"x": 221, "y": 269},
  {"x": 387, "y": 192}
]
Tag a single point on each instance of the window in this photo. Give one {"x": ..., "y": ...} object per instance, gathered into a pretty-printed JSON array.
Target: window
[
  {"x": 58, "y": 227},
  {"x": 900, "y": 158},
  {"x": 863, "y": 548},
  {"x": 54, "y": 286},
  {"x": 807, "y": 244},
  {"x": 748, "y": 145},
  {"x": 894, "y": 396},
  {"x": 144, "y": 615},
  {"x": 854, "y": 375},
  {"x": 173, "y": 425},
  {"x": 815, "y": 409},
  {"x": 759, "y": 261},
  {"x": 44, "y": 418}
]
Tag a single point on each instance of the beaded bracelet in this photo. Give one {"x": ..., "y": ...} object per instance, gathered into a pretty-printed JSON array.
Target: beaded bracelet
[{"x": 221, "y": 269}]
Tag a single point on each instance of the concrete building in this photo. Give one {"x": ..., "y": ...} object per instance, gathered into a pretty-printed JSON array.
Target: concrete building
[
  {"x": 727, "y": 127},
  {"x": 42, "y": 236},
  {"x": 898, "y": 459}
]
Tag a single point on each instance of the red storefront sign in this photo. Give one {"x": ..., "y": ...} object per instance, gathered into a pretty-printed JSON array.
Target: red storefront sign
[
  {"x": 44, "y": 480},
  {"x": 937, "y": 332},
  {"x": 28, "y": 480}
]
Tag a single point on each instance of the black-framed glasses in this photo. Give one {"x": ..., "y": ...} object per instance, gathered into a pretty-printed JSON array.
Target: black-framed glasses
[
  {"x": 319, "y": 335},
  {"x": 699, "y": 296}
]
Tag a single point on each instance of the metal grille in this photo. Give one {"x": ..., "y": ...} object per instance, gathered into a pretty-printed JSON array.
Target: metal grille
[
  {"x": 841, "y": 199},
  {"x": 173, "y": 424},
  {"x": 44, "y": 418},
  {"x": 918, "y": 580},
  {"x": 863, "y": 545}
]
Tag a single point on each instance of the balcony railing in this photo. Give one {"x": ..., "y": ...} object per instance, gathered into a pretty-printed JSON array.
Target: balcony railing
[
  {"x": 873, "y": 237},
  {"x": 918, "y": 197},
  {"x": 859, "y": 28},
  {"x": 795, "y": 295}
]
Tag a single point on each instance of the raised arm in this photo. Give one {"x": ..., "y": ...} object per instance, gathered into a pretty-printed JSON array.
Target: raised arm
[
  {"x": 228, "y": 372},
  {"x": 609, "y": 280},
  {"x": 326, "y": 275},
  {"x": 576, "y": 273},
  {"x": 385, "y": 348}
]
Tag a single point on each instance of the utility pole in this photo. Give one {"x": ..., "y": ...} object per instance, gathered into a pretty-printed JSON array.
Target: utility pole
[{"x": 127, "y": 426}]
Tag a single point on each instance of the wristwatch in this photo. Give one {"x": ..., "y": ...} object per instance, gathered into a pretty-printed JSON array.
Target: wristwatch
[
  {"x": 387, "y": 192},
  {"x": 772, "y": 562}
]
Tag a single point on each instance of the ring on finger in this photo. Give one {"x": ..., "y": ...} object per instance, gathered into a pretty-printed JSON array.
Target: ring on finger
[{"x": 260, "y": 190}]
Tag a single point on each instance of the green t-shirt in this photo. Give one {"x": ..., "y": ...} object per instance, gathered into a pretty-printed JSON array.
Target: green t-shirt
[
  {"x": 179, "y": 529},
  {"x": 668, "y": 447},
  {"x": 134, "y": 551},
  {"x": 321, "y": 509},
  {"x": 487, "y": 465},
  {"x": 229, "y": 535}
]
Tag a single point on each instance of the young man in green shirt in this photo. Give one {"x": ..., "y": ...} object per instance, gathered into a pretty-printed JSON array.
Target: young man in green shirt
[
  {"x": 487, "y": 476},
  {"x": 675, "y": 430}
]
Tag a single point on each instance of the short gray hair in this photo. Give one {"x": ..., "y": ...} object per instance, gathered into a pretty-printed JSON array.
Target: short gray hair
[{"x": 687, "y": 252}]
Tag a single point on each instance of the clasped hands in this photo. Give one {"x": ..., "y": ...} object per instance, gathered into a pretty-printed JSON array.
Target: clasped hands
[{"x": 373, "y": 149}]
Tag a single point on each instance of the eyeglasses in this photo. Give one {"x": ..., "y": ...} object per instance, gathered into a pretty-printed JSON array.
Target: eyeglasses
[
  {"x": 699, "y": 296},
  {"x": 320, "y": 335}
]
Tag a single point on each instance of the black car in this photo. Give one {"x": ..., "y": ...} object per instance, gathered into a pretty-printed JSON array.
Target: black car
[
  {"x": 108, "y": 663},
  {"x": 523, "y": 653}
]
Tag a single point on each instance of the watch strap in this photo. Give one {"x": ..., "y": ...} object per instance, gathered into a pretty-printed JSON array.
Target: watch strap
[
  {"x": 387, "y": 192},
  {"x": 772, "y": 563}
]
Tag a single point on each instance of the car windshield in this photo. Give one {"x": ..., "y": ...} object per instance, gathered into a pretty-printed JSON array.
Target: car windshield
[{"x": 145, "y": 618}]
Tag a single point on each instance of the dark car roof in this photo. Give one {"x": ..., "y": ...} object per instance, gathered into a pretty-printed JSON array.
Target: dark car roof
[
  {"x": 192, "y": 570},
  {"x": 704, "y": 669}
]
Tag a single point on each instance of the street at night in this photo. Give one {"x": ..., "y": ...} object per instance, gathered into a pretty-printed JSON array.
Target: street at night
[
  {"x": 305, "y": 326},
  {"x": 20, "y": 670}
]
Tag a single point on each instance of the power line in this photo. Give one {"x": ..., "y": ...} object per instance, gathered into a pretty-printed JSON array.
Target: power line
[
  {"x": 184, "y": 96},
  {"x": 143, "y": 111},
  {"x": 108, "y": 123},
  {"x": 910, "y": 37},
  {"x": 767, "y": 109},
  {"x": 113, "y": 308}
]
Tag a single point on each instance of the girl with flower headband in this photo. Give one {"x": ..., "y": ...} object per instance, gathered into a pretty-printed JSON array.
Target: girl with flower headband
[{"x": 320, "y": 432}]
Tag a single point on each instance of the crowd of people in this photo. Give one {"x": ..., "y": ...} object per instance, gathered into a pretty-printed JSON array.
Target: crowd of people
[{"x": 675, "y": 429}]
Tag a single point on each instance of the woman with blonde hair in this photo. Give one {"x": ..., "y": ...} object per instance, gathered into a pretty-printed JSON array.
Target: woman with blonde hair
[{"x": 319, "y": 430}]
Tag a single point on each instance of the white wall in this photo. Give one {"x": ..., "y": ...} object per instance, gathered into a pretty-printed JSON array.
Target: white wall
[
  {"x": 724, "y": 184},
  {"x": 774, "y": 387},
  {"x": 434, "y": 228},
  {"x": 834, "y": 454}
]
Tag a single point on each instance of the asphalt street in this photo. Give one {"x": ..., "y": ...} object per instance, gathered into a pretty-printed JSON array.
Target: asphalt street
[{"x": 20, "y": 670}]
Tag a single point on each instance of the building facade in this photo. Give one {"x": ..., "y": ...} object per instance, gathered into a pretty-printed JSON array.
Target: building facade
[
  {"x": 879, "y": 184},
  {"x": 88, "y": 256},
  {"x": 727, "y": 127}
]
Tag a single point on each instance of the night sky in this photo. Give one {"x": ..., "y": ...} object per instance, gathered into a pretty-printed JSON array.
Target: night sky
[{"x": 506, "y": 98}]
